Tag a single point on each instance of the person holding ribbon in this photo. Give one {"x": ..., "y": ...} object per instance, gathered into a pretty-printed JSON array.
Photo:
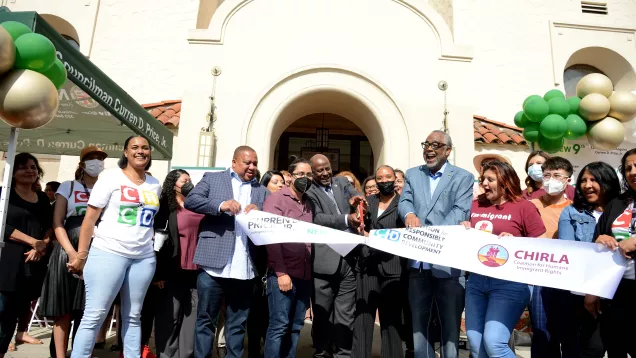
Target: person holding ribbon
[
  {"x": 437, "y": 193},
  {"x": 63, "y": 293},
  {"x": 493, "y": 306},
  {"x": 597, "y": 184},
  {"x": 228, "y": 260},
  {"x": 121, "y": 257},
  {"x": 289, "y": 267},
  {"x": 379, "y": 275},
  {"x": 616, "y": 229},
  {"x": 333, "y": 201}
]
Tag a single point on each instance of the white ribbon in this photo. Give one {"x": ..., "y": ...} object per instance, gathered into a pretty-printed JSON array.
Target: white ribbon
[{"x": 568, "y": 265}]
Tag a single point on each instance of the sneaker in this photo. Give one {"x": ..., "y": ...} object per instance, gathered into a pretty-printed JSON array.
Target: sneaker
[{"x": 147, "y": 353}]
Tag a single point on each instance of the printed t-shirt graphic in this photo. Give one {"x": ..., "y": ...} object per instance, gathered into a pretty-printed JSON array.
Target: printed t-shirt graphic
[
  {"x": 623, "y": 228},
  {"x": 77, "y": 201},
  {"x": 128, "y": 214},
  {"x": 519, "y": 218}
]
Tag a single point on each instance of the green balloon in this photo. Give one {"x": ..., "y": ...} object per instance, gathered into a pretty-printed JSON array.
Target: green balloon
[
  {"x": 521, "y": 120},
  {"x": 57, "y": 74},
  {"x": 531, "y": 132},
  {"x": 536, "y": 109},
  {"x": 574, "y": 104},
  {"x": 16, "y": 29},
  {"x": 576, "y": 127},
  {"x": 559, "y": 106},
  {"x": 553, "y": 126},
  {"x": 554, "y": 93},
  {"x": 529, "y": 98},
  {"x": 34, "y": 52},
  {"x": 550, "y": 145}
]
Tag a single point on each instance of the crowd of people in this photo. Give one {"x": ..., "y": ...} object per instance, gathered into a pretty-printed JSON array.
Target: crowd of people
[{"x": 174, "y": 260}]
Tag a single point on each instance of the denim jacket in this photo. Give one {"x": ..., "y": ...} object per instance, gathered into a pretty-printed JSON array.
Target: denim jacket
[{"x": 576, "y": 225}]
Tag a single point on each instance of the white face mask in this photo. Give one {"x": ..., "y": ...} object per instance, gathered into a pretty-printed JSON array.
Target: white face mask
[
  {"x": 535, "y": 172},
  {"x": 554, "y": 186},
  {"x": 93, "y": 167}
]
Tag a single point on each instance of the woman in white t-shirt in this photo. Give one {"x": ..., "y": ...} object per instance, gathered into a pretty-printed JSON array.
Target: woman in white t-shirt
[
  {"x": 63, "y": 293},
  {"x": 121, "y": 258}
]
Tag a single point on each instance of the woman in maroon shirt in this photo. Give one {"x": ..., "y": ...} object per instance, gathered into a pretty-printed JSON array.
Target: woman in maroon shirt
[
  {"x": 176, "y": 274},
  {"x": 493, "y": 306}
]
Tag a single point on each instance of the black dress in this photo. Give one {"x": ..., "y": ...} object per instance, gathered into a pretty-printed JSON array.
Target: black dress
[
  {"x": 33, "y": 219},
  {"x": 63, "y": 293}
]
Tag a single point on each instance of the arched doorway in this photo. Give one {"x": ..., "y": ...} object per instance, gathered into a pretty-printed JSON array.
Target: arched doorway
[
  {"x": 345, "y": 96},
  {"x": 344, "y": 143}
]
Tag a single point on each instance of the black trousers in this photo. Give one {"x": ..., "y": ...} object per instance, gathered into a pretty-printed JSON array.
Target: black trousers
[
  {"x": 334, "y": 307},
  {"x": 257, "y": 320},
  {"x": 378, "y": 292},
  {"x": 621, "y": 320}
]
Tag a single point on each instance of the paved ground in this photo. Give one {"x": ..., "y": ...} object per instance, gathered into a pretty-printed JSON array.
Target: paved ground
[{"x": 304, "y": 351}]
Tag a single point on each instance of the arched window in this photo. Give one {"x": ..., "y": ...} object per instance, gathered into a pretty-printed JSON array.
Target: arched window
[{"x": 573, "y": 74}]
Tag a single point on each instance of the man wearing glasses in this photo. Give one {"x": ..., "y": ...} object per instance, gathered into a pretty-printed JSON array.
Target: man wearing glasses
[
  {"x": 333, "y": 200},
  {"x": 544, "y": 311},
  {"x": 436, "y": 193}
]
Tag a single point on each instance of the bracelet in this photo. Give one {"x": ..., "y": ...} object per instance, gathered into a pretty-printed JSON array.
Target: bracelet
[
  {"x": 79, "y": 252},
  {"x": 81, "y": 258}
]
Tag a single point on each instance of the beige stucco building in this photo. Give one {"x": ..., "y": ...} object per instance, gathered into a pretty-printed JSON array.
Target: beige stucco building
[{"x": 285, "y": 74}]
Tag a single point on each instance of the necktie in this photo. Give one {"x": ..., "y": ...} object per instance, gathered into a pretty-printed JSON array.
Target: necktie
[{"x": 330, "y": 194}]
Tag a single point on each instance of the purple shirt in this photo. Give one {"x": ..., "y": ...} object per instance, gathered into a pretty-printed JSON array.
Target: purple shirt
[
  {"x": 289, "y": 259},
  {"x": 188, "y": 224}
]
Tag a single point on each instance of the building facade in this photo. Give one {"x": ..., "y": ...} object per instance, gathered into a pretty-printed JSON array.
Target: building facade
[{"x": 363, "y": 80}]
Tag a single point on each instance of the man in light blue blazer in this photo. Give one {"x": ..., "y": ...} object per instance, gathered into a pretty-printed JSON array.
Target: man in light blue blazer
[{"x": 437, "y": 193}]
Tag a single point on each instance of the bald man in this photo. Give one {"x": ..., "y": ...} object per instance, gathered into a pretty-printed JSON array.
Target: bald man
[
  {"x": 333, "y": 200},
  {"x": 229, "y": 262}
]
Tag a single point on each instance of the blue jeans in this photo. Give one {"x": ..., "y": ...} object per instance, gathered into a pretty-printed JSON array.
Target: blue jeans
[
  {"x": 448, "y": 296},
  {"x": 286, "y": 316},
  {"x": 105, "y": 275},
  {"x": 238, "y": 299},
  {"x": 493, "y": 307}
]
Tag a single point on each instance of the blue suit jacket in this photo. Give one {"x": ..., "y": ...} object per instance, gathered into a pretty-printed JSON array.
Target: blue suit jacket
[
  {"x": 216, "y": 231},
  {"x": 449, "y": 205}
]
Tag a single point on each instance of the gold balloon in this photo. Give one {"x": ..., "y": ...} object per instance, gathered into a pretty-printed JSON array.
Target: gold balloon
[
  {"x": 594, "y": 106},
  {"x": 27, "y": 99},
  {"x": 7, "y": 51},
  {"x": 622, "y": 105},
  {"x": 606, "y": 134},
  {"x": 594, "y": 83}
]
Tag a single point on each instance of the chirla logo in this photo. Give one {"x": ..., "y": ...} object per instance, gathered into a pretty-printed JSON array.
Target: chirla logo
[{"x": 493, "y": 255}]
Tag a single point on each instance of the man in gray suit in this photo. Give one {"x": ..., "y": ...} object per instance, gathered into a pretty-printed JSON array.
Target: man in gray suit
[
  {"x": 227, "y": 258},
  {"x": 332, "y": 200},
  {"x": 437, "y": 193}
]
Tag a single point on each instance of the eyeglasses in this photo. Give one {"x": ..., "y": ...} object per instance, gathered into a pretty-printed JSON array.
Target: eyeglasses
[
  {"x": 434, "y": 145},
  {"x": 547, "y": 176},
  {"x": 302, "y": 175},
  {"x": 370, "y": 187}
]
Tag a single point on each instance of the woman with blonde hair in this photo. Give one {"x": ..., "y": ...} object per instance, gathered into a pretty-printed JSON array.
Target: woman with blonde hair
[
  {"x": 62, "y": 292},
  {"x": 352, "y": 179}
]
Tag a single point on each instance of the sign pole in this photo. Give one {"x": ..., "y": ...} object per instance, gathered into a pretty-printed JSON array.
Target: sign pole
[{"x": 6, "y": 183}]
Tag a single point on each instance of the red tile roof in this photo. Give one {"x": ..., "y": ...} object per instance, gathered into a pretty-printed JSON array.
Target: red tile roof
[
  {"x": 492, "y": 132},
  {"x": 167, "y": 112}
]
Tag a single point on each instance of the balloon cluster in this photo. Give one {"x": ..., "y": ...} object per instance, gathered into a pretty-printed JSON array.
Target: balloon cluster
[
  {"x": 596, "y": 111},
  {"x": 30, "y": 76}
]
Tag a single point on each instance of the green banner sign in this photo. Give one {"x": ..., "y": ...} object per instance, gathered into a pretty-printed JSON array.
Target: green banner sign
[{"x": 94, "y": 110}]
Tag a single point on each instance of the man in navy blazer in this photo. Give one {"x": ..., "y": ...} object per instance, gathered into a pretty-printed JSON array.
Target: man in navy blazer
[
  {"x": 437, "y": 193},
  {"x": 227, "y": 258}
]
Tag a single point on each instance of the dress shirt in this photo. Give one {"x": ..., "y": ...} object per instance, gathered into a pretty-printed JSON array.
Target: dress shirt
[
  {"x": 239, "y": 265},
  {"x": 293, "y": 259},
  {"x": 433, "y": 181}
]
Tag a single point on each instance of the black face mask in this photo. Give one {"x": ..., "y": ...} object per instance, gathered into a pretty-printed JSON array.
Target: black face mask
[
  {"x": 386, "y": 188},
  {"x": 302, "y": 185},
  {"x": 187, "y": 188}
]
